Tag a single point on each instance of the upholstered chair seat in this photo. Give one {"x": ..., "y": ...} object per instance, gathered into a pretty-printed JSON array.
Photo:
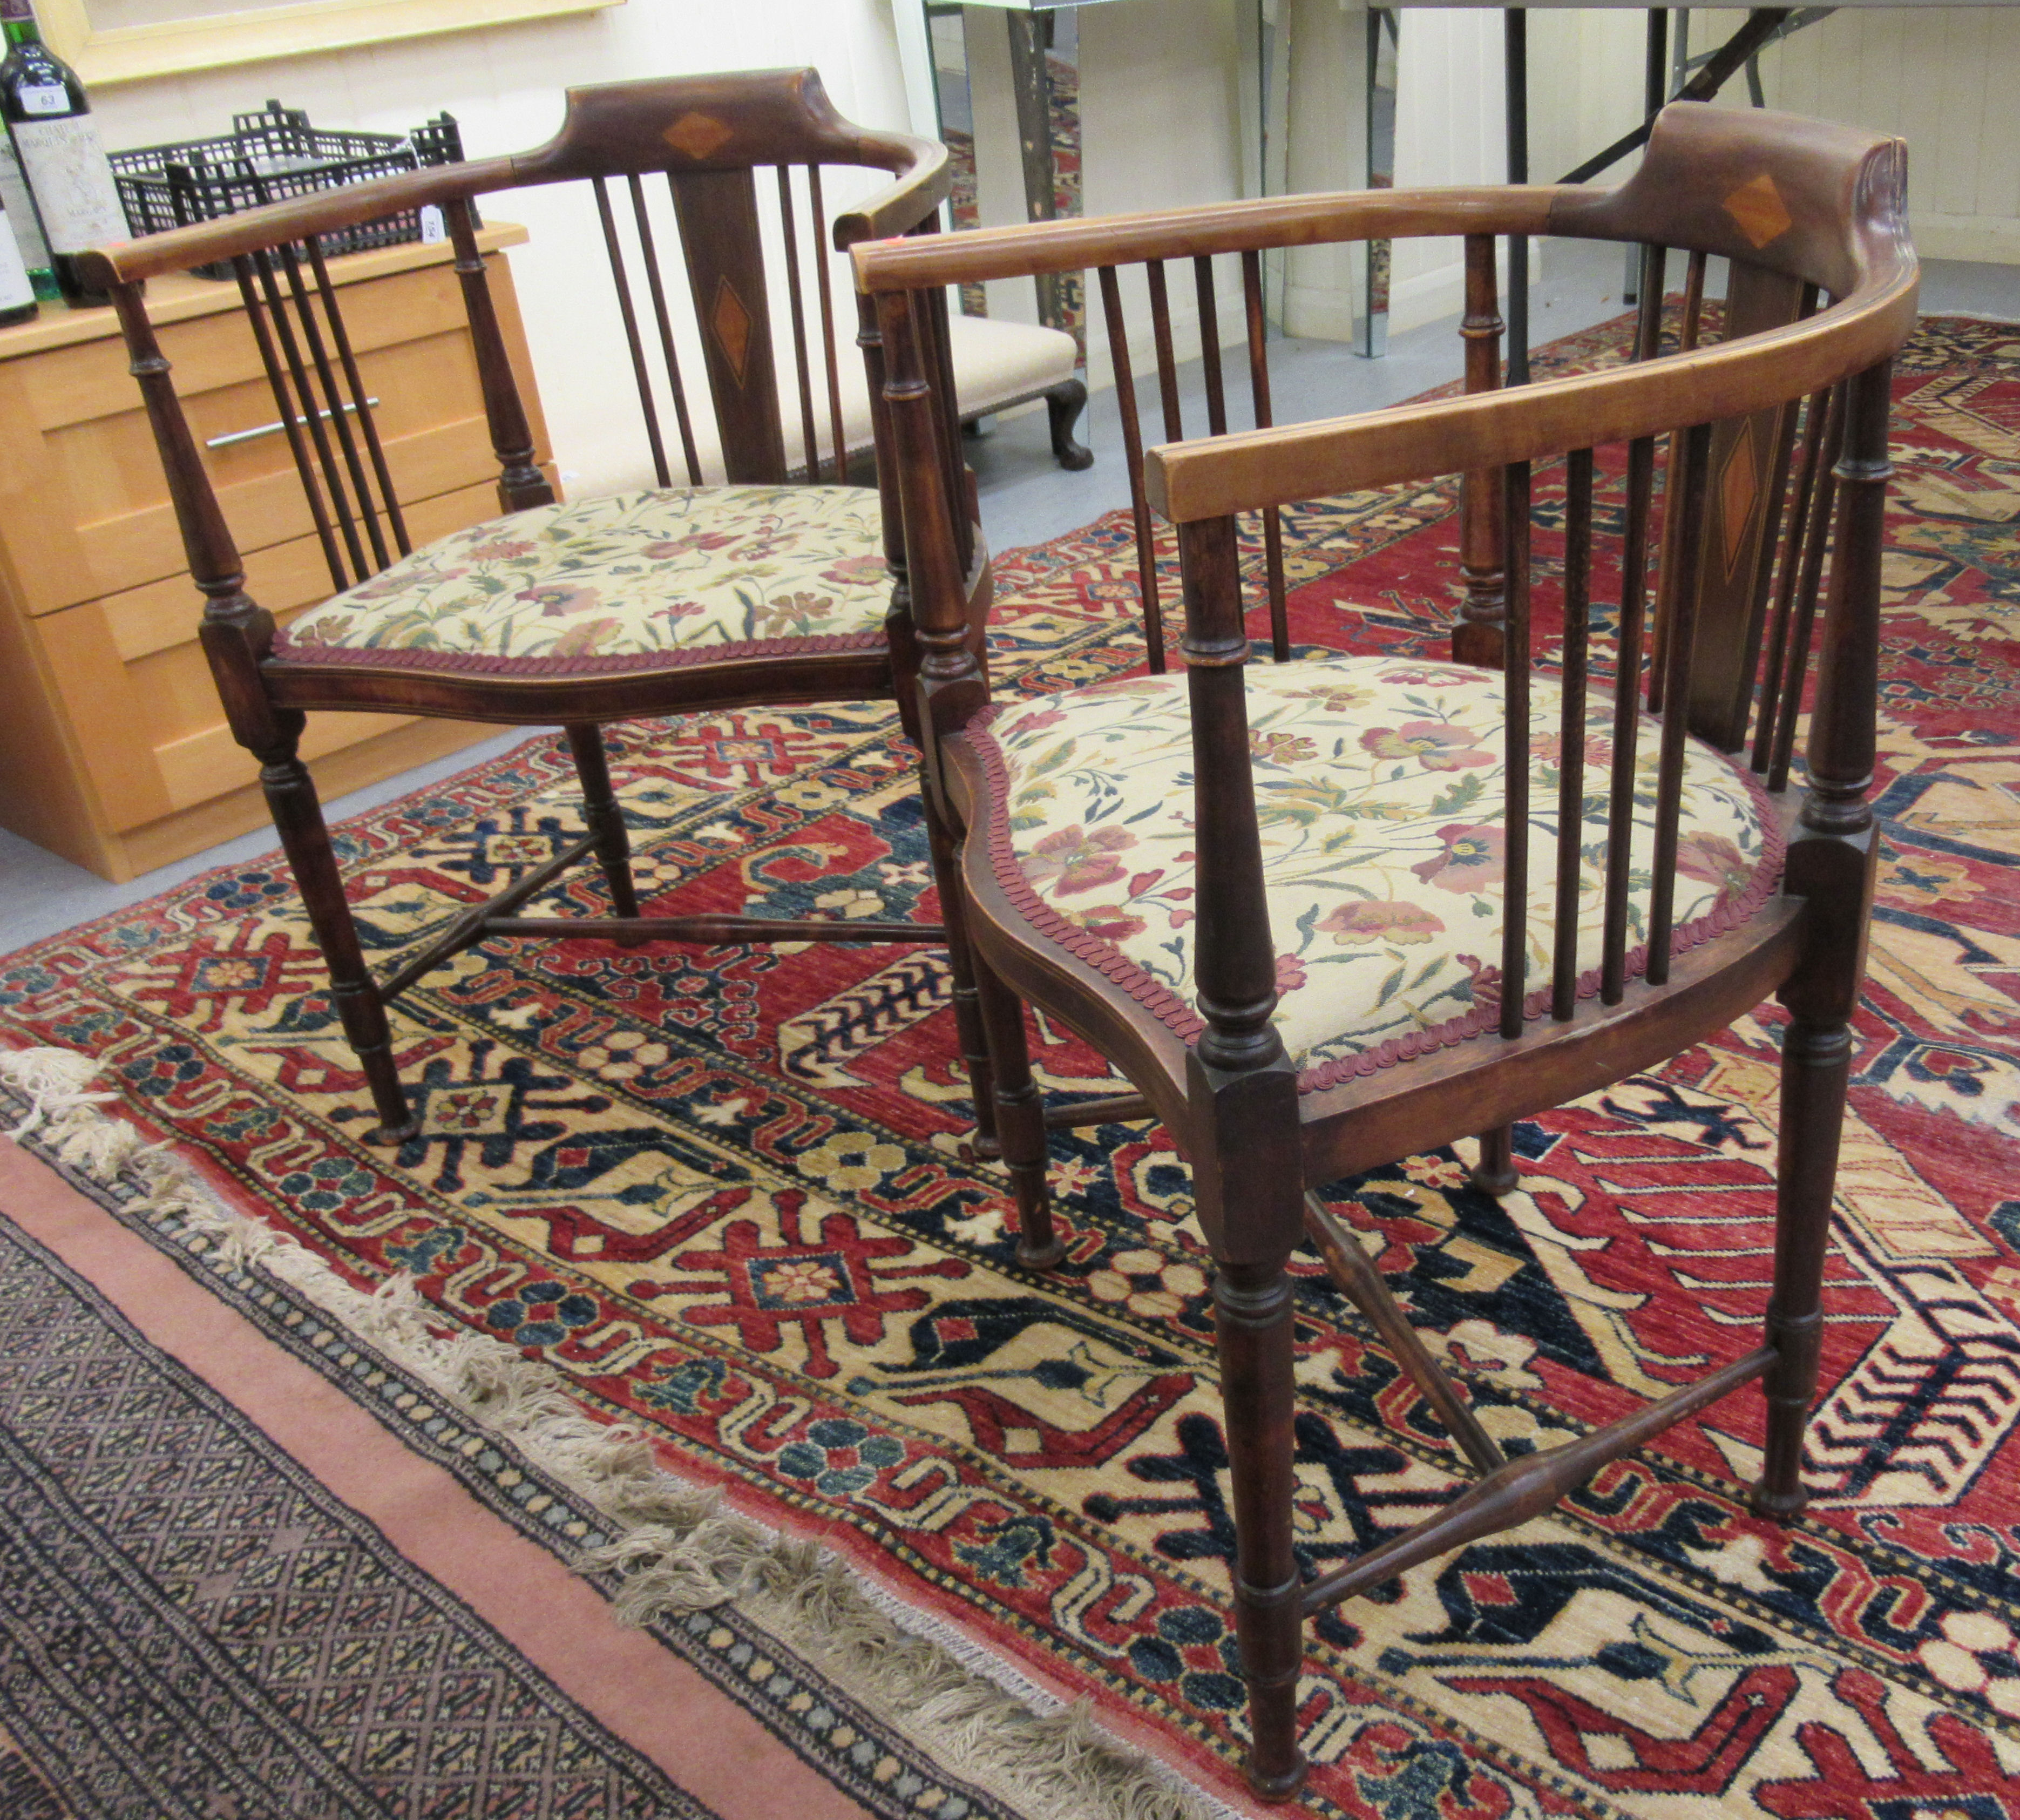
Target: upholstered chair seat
[
  {"x": 1379, "y": 789},
  {"x": 631, "y": 581}
]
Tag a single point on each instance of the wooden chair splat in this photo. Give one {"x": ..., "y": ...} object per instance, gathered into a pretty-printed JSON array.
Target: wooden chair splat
[
  {"x": 1749, "y": 461},
  {"x": 724, "y": 247}
]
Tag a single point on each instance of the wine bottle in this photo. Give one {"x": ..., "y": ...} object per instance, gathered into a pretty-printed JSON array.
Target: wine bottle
[
  {"x": 49, "y": 121},
  {"x": 17, "y": 295},
  {"x": 21, "y": 211}
]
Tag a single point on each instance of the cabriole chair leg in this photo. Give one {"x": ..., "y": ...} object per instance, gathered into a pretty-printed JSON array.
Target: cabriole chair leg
[
  {"x": 1063, "y": 405},
  {"x": 291, "y": 796},
  {"x": 1816, "y": 1066}
]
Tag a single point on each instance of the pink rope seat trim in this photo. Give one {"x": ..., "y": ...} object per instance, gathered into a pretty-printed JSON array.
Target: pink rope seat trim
[
  {"x": 481, "y": 663},
  {"x": 1183, "y": 1021}
]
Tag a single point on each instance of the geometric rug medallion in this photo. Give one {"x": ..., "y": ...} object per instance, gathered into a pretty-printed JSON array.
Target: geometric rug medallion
[{"x": 723, "y": 1193}]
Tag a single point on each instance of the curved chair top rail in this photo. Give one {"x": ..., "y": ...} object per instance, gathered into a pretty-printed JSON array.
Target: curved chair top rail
[
  {"x": 1820, "y": 202},
  {"x": 685, "y": 124}
]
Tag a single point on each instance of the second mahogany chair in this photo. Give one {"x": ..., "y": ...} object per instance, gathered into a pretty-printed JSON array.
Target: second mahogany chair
[
  {"x": 1330, "y": 913},
  {"x": 778, "y": 584}
]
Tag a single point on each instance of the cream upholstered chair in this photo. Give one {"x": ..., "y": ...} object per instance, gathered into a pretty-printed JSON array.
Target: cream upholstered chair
[{"x": 997, "y": 365}]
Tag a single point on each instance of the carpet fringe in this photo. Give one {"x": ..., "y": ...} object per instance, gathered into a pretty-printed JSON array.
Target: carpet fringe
[{"x": 676, "y": 1549}]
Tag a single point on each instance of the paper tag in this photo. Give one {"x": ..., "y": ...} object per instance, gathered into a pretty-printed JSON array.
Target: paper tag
[
  {"x": 45, "y": 98},
  {"x": 65, "y": 162},
  {"x": 433, "y": 228}
]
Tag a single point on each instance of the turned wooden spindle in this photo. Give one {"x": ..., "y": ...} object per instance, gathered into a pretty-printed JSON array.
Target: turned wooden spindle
[
  {"x": 951, "y": 686},
  {"x": 521, "y": 484},
  {"x": 1831, "y": 862},
  {"x": 1132, "y": 459},
  {"x": 1242, "y": 1079},
  {"x": 1477, "y": 635}
]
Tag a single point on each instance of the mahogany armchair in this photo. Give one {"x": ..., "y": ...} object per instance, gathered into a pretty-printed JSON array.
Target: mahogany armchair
[
  {"x": 1610, "y": 886},
  {"x": 780, "y": 584}
]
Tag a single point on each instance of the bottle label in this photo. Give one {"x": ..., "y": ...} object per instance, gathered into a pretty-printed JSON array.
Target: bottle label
[
  {"x": 15, "y": 290},
  {"x": 66, "y": 167},
  {"x": 44, "y": 98},
  {"x": 21, "y": 211}
]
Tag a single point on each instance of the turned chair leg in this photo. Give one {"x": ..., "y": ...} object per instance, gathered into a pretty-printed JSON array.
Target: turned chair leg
[
  {"x": 1253, "y": 1319},
  {"x": 969, "y": 1032},
  {"x": 291, "y": 796},
  {"x": 605, "y": 819},
  {"x": 1816, "y": 1066},
  {"x": 1063, "y": 405},
  {"x": 1495, "y": 1172},
  {"x": 1020, "y": 1119}
]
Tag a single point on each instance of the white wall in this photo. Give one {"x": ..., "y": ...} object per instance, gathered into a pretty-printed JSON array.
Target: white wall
[
  {"x": 1162, "y": 124},
  {"x": 505, "y": 86},
  {"x": 1450, "y": 128},
  {"x": 1327, "y": 150},
  {"x": 1940, "y": 77},
  {"x": 1160, "y": 129},
  {"x": 1943, "y": 78}
]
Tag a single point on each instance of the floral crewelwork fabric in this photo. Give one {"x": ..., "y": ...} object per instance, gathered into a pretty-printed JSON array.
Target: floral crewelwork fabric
[
  {"x": 1380, "y": 788},
  {"x": 639, "y": 574}
]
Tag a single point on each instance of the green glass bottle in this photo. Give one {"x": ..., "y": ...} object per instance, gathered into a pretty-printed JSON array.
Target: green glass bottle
[
  {"x": 17, "y": 295},
  {"x": 48, "y": 120},
  {"x": 21, "y": 217}
]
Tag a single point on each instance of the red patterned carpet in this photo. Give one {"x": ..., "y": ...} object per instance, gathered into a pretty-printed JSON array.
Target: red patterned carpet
[{"x": 723, "y": 1193}]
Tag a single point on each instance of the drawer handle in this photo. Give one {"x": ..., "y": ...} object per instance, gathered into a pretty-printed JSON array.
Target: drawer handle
[{"x": 275, "y": 429}]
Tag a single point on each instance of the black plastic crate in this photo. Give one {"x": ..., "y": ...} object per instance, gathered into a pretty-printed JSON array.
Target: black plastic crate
[{"x": 267, "y": 157}]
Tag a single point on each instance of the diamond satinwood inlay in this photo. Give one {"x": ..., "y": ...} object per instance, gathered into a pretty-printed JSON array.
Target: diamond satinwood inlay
[
  {"x": 1757, "y": 206},
  {"x": 1738, "y": 483},
  {"x": 699, "y": 135},
  {"x": 731, "y": 323}
]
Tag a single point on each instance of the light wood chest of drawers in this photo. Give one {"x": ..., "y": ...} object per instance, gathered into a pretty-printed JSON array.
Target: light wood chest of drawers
[{"x": 113, "y": 751}]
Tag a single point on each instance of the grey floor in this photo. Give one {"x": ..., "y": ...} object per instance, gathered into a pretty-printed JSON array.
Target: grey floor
[{"x": 1026, "y": 499}]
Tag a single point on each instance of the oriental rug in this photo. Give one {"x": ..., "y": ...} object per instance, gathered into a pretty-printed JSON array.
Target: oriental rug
[
  {"x": 192, "y": 1625},
  {"x": 724, "y": 1195}
]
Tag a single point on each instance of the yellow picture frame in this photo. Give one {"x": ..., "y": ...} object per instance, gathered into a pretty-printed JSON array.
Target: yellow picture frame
[{"x": 131, "y": 53}]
